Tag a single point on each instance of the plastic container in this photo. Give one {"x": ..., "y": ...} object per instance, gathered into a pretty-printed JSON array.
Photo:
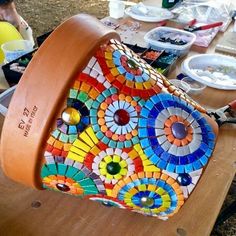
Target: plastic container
[
  {"x": 160, "y": 62},
  {"x": 13, "y": 76},
  {"x": 152, "y": 37},
  {"x": 116, "y": 9},
  {"x": 195, "y": 86},
  {"x": 16, "y": 48}
]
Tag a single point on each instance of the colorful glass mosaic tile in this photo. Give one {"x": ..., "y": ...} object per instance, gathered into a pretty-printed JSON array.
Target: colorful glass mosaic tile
[{"x": 127, "y": 137}]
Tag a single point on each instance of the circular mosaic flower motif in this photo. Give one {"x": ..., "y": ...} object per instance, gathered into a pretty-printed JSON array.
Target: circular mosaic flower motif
[
  {"x": 127, "y": 72},
  {"x": 60, "y": 183},
  {"x": 108, "y": 201},
  {"x": 74, "y": 118},
  {"x": 112, "y": 165},
  {"x": 187, "y": 181},
  {"x": 150, "y": 193},
  {"x": 73, "y": 179},
  {"x": 130, "y": 65},
  {"x": 174, "y": 136},
  {"x": 115, "y": 119}
]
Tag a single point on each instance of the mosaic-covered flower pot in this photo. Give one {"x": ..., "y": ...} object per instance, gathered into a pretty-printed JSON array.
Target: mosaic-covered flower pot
[{"x": 91, "y": 118}]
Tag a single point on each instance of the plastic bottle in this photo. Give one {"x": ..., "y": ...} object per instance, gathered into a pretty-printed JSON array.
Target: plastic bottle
[{"x": 169, "y": 3}]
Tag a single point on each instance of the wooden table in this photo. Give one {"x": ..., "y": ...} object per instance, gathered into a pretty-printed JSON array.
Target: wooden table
[{"x": 25, "y": 211}]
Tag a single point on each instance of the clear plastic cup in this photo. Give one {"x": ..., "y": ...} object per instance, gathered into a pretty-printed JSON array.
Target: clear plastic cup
[
  {"x": 181, "y": 85},
  {"x": 116, "y": 9},
  {"x": 195, "y": 86},
  {"x": 16, "y": 48}
]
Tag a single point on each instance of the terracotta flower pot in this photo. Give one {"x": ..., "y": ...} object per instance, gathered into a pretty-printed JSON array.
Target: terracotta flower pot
[{"x": 90, "y": 118}]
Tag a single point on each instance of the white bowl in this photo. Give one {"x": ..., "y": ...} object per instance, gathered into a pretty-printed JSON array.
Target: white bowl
[
  {"x": 153, "y": 14},
  {"x": 214, "y": 70}
]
